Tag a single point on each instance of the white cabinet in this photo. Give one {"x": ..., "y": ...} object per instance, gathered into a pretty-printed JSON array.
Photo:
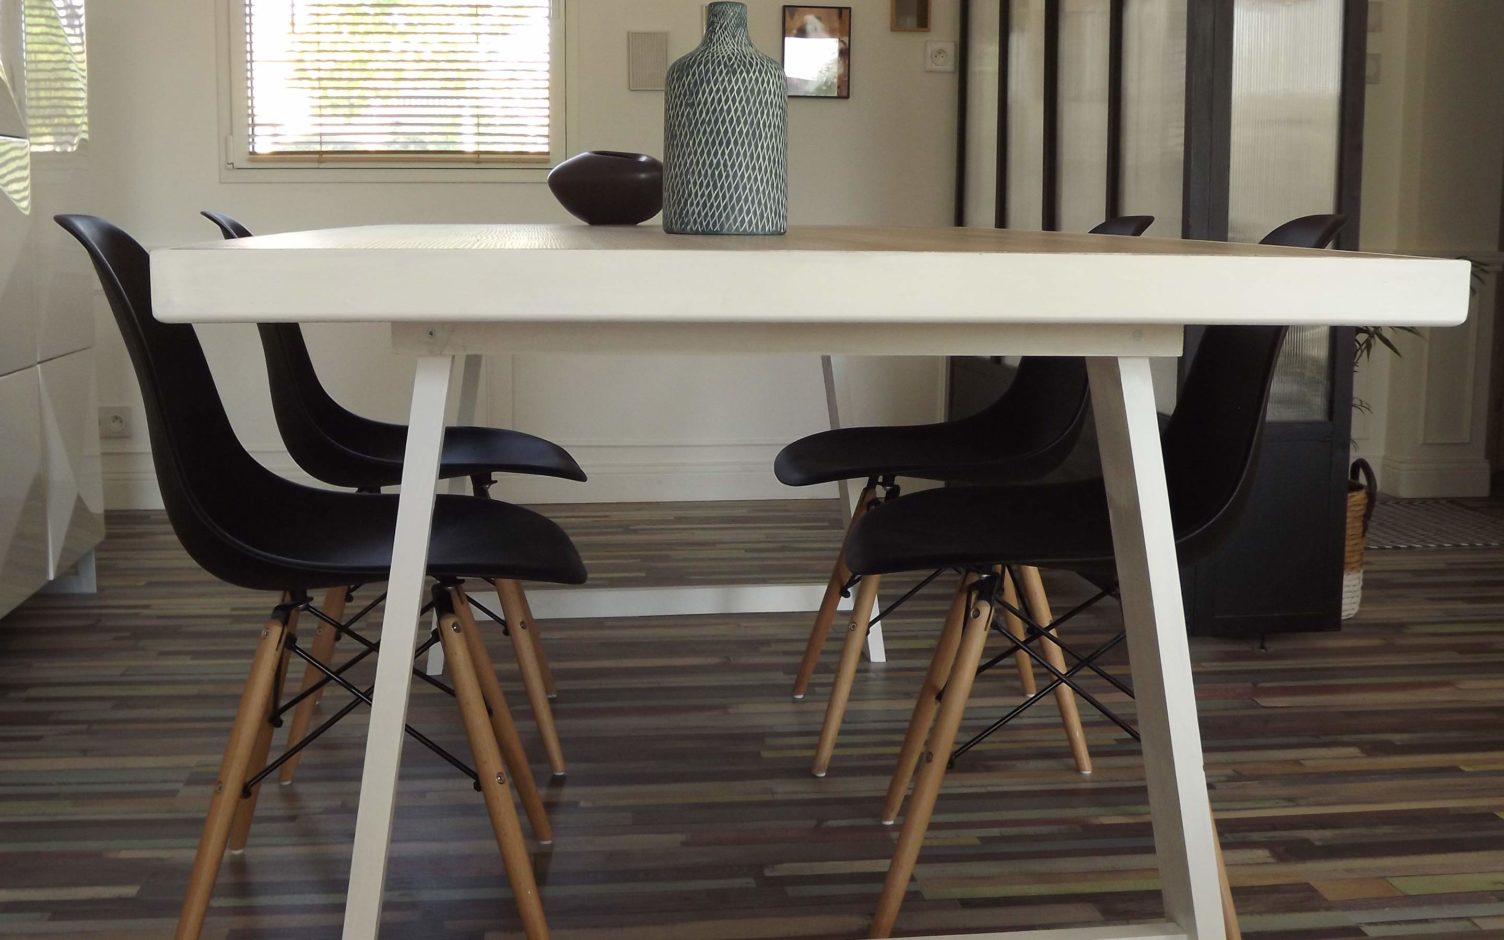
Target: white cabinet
[
  {"x": 70, "y": 443},
  {"x": 51, "y": 498},
  {"x": 23, "y": 502},
  {"x": 51, "y": 493}
]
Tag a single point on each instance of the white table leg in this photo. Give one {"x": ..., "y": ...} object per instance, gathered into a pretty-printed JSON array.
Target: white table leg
[
  {"x": 1133, "y": 464},
  {"x": 465, "y": 415},
  {"x": 399, "y": 628},
  {"x": 469, "y": 389},
  {"x": 877, "y": 652}
]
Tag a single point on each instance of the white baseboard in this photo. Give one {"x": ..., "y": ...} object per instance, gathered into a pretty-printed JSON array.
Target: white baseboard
[
  {"x": 1433, "y": 479},
  {"x": 574, "y": 603},
  {"x": 618, "y": 474}
]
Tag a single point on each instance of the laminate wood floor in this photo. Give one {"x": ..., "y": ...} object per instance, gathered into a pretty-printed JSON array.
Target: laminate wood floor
[{"x": 1358, "y": 776}]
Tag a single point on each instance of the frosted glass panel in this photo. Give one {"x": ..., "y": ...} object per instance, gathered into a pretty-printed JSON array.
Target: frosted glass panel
[
  {"x": 1152, "y": 175},
  {"x": 1286, "y": 111},
  {"x": 1084, "y": 29},
  {"x": 1302, "y": 386},
  {"x": 1286, "y": 98},
  {"x": 1025, "y": 114},
  {"x": 981, "y": 113}
]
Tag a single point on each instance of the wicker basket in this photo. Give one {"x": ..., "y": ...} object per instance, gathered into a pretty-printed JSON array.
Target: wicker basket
[{"x": 1362, "y": 496}]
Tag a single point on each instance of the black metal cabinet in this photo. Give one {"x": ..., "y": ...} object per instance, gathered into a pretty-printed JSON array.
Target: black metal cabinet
[{"x": 1281, "y": 570}]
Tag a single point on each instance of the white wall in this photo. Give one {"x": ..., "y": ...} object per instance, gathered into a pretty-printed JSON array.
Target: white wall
[
  {"x": 645, "y": 428},
  {"x": 1433, "y": 169}
]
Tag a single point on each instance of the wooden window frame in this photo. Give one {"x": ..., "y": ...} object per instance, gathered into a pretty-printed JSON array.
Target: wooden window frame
[{"x": 239, "y": 165}]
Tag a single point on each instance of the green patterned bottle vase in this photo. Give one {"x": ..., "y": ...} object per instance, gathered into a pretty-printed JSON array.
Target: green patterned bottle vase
[{"x": 726, "y": 135}]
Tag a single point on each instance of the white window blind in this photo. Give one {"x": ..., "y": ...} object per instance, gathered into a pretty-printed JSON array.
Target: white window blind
[
  {"x": 57, "y": 86},
  {"x": 350, "y": 79}
]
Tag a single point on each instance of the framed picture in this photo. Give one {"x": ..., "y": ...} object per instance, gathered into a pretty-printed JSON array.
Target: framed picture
[
  {"x": 911, "y": 16},
  {"x": 817, "y": 51}
]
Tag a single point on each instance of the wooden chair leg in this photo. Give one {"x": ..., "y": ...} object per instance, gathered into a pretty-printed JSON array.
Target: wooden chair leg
[
  {"x": 240, "y": 829},
  {"x": 493, "y": 779},
  {"x": 826, "y": 615},
  {"x": 543, "y": 666},
  {"x": 501, "y": 723},
  {"x": 255, "y": 701},
  {"x": 1230, "y": 924},
  {"x": 924, "y": 706},
  {"x": 932, "y": 766},
  {"x": 1021, "y": 660},
  {"x": 520, "y": 628},
  {"x": 1065, "y": 699},
  {"x": 322, "y": 649},
  {"x": 851, "y": 656}
]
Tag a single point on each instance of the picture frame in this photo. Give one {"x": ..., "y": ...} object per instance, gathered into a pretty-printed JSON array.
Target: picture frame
[
  {"x": 817, "y": 51},
  {"x": 910, "y": 16}
]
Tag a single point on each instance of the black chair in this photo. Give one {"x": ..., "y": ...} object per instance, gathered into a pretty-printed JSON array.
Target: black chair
[
  {"x": 341, "y": 448},
  {"x": 1027, "y": 433},
  {"x": 245, "y": 525},
  {"x": 1211, "y": 447}
]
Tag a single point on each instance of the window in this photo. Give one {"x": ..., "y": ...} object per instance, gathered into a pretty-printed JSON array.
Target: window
[
  {"x": 396, "y": 82},
  {"x": 57, "y": 87}
]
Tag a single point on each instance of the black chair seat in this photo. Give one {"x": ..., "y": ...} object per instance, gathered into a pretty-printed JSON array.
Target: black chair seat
[
  {"x": 340, "y": 447},
  {"x": 468, "y": 452},
  {"x": 249, "y": 527},
  {"x": 349, "y": 541},
  {"x": 954, "y": 451},
  {"x": 1058, "y": 525},
  {"x": 1211, "y": 445},
  {"x": 1022, "y": 436}
]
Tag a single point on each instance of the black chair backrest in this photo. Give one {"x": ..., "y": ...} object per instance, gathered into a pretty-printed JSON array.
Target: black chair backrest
[
  {"x": 1211, "y": 444},
  {"x": 210, "y": 485},
  {"x": 227, "y": 225},
  {"x": 1124, "y": 225},
  {"x": 1044, "y": 408},
  {"x": 312, "y": 424}
]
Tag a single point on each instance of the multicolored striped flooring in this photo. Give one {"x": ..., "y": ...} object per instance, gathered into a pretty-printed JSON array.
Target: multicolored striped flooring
[{"x": 1358, "y": 776}]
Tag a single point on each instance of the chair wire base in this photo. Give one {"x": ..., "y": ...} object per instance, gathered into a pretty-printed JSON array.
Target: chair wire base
[
  {"x": 359, "y": 696},
  {"x": 1087, "y": 662}
]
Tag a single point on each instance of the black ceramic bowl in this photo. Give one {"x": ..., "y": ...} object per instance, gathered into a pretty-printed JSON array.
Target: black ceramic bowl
[{"x": 605, "y": 187}]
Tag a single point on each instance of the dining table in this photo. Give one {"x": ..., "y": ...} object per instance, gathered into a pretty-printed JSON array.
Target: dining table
[{"x": 453, "y": 290}]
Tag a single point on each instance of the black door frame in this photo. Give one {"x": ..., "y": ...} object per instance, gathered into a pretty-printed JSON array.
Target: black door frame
[{"x": 1208, "y": 116}]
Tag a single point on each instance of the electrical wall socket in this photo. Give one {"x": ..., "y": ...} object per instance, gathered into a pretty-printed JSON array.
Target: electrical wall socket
[
  {"x": 117, "y": 421},
  {"x": 939, "y": 56}
]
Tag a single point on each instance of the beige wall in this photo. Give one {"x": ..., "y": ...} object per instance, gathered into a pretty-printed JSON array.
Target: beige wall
[
  {"x": 1434, "y": 135},
  {"x": 1433, "y": 169},
  {"x": 644, "y": 428}
]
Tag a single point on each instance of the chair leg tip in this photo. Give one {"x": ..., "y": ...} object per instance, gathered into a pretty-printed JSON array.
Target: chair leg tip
[
  {"x": 553, "y": 696},
  {"x": 284, "y": 783},
  {"x": 888, "y": 822},
  {"x": 545, "y": 842},
  {"x": 798, "y": 696},
  {"x": 559, "y": 774},
  {"x": 239, "y": 851},
  {"x": 818, "y": 773}
]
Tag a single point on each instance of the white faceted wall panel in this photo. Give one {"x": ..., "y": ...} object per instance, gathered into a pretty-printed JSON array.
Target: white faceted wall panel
[
  {"x": 66, "y": 285},
  {"x": 18, "y": 307},
  {"x": 75, "y": 491},
  {"x": 23, "y": 495}
]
